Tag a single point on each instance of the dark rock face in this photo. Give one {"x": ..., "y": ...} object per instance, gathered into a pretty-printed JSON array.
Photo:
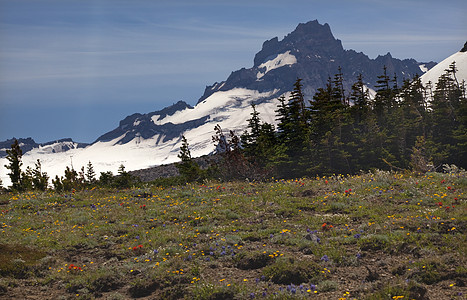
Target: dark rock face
[
  {"x": 318, "y": 55},
  {"x": 139, "y": 125},
  {"x": 464, "y": 49},
  {"x": 25, "y": 144},
  {"x": 28, "y": 144}
]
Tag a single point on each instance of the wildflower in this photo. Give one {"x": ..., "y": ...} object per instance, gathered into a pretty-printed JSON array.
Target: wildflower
[
  {"x": 325, "y": 258},
  {"x": 357, "y": 236}
]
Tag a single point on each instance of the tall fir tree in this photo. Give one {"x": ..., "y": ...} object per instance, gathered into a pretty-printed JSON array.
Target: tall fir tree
[
  {"x": 90, "y": 174},
  {"x": 291, "y": 158},
  {"x": 188, "y": 169},
  {"x": 14, "y": 156},
  {"x": 40, "y": 179}
]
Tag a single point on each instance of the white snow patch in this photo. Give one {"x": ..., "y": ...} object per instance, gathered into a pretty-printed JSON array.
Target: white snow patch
[
  {"x": 281, "y": 60},
  {"x": 423, "y": 68},
  {"x": 434, "y": 73}
]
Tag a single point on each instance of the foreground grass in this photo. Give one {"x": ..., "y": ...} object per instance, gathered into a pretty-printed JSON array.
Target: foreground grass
[{"x": 375, "y": 236}]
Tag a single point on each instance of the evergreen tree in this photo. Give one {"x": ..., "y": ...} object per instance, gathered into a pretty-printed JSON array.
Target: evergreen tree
[
  {"x": 106, "y": 178},
  {"x": 40, "y": 179},
  {"x": 57, "y": 183},
  {"x": 27, "y": 180},
  {"x": 448, "y": 120},
  {"x": 330, "y": 131},
  {"x": 14, "y": 156},
  {"x": 90, "y": 174},
  {"x": 283, "y": 119},
  {"x": 294, "y": 135},
  {"x": 188, "y": 169},
  {"x": 123, "y": 179},
  {"x": 70, "y": 181},
  {"x": 360, "y": 99},
  {"x": 384, "y": 97}
]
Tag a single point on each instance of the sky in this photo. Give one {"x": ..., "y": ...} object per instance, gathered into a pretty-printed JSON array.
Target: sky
[{"x": 75, "y": 68}]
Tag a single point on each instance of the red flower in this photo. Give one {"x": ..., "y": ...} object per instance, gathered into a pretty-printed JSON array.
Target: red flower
[{"x": 440, "y": 203}]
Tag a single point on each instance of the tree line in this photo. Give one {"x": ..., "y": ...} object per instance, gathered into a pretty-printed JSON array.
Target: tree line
[
  {"x": 409, "y": 127},
  {"x": 35, "y": 179}
]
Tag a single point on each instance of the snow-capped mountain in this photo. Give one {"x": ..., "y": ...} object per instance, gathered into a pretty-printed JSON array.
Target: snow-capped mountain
[
  {"x": 29, "y": 144},
  {"x": 460, "y": 58},
  {"x": 310, "y": 52}
]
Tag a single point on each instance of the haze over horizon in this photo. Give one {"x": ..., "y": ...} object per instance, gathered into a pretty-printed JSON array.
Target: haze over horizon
[{"x": 76, "y": 68}]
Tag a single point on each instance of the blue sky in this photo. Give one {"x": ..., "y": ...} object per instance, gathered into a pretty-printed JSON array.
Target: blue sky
[{"x": 75, "y": 68}]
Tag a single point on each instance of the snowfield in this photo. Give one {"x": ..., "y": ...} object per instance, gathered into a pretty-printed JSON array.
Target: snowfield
[
  {"x": 434, "y": 73},
  {"x": 280, "y": 60},
  {"x": 230, "y": 109}
]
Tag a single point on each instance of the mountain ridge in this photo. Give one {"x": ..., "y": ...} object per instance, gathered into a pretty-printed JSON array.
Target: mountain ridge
[{"x": 150, "y": 139}]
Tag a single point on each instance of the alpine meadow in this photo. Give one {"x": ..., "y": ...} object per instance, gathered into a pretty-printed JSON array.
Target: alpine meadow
[{"x": 318, "y": 173}]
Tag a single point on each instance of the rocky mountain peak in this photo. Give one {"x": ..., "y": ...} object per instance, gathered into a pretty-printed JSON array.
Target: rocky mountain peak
[{"x": 306, "y": 38}]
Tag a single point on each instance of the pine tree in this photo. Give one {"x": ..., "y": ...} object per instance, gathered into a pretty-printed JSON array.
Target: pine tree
[
  {"x": 448, "y": 120},
  {"x": 69, "y": 182},
  {"x": 14, "y": 156},
  {"x": 294, "y": 135},
  {"x": 360, "y": 99},
  {"x": 188, "y": 169},
  {"x": 57, "y": 183},
  {"x": 383, "y": 98},
  {"x": 106, "y": 178},
  {"x": 40, "y": 179},
  {"x": 90, "y": 174},
  {"x": 27, "y": 180},
  {"x": 329, "y": 122},
  {"x": 123, "y": 179}
]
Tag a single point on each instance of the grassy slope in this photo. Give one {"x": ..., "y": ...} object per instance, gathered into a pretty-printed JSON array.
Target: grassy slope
[{"x": 374, "y": 236}]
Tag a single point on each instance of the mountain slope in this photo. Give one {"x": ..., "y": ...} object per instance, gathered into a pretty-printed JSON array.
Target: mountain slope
[
  {"x": 460, "y": 59},
  {"x": 310, "y": 52}
]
